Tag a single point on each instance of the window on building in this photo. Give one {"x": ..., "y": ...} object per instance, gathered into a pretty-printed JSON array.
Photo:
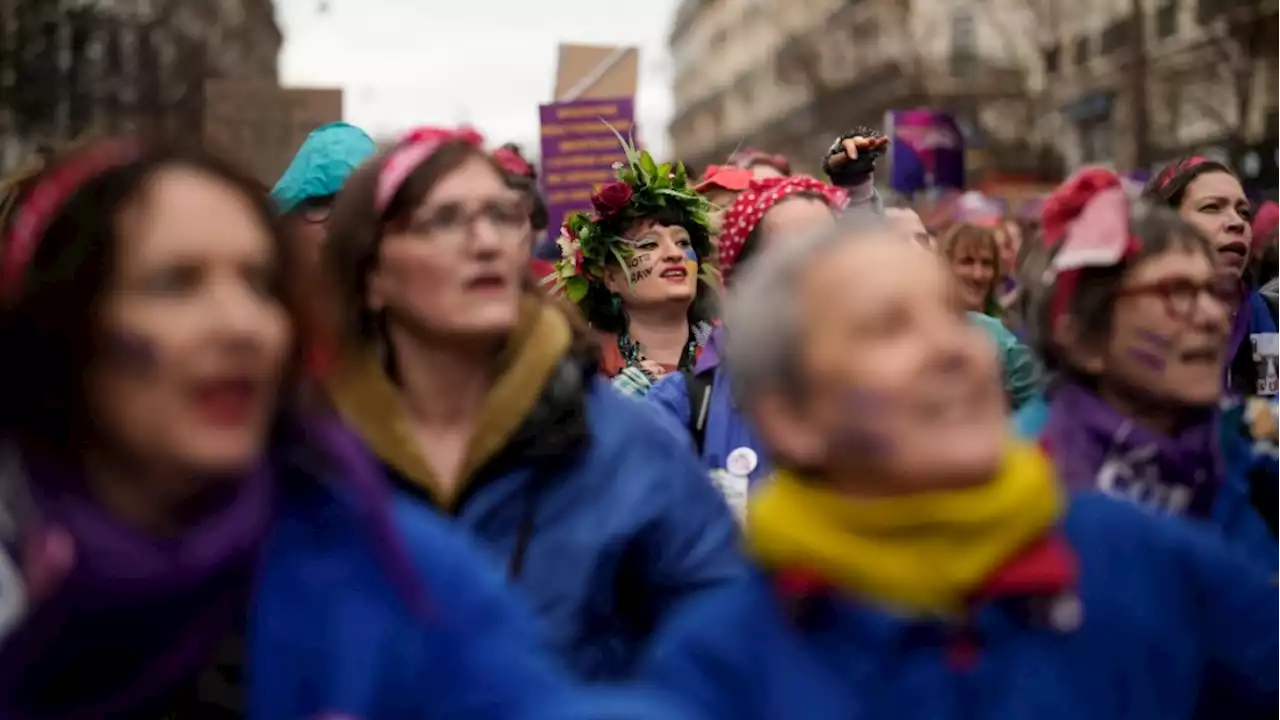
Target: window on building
[
  {"x": 1096, "y": 138},
  {"x": 1207, "y": 10},
  {"x": 964, "y": 42},
  {"x": 81, "y": 22},
  {"x": 1167, "y": 19},
  {"x": 1081, "y": 50},
  {"x": 1052, "y": 59},
  {"x": 866, "y": 40},
  {"x": 1117, "y": 35}
]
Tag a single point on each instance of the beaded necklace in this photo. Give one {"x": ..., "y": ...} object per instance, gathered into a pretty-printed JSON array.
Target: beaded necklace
[{"x": 634, "y": 355}]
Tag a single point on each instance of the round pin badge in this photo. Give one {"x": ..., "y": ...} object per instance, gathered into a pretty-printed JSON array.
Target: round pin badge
[
  {"x": 1066, "y": 613},
  {"x": 742, "y": 461}
]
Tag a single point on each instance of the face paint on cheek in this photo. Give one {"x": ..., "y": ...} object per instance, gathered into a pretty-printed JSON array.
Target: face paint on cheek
[
  {"x": 639, "y": 267},
  {"x": 862, "y": 402},
  {"x": 131, "y": 352},
  {"x": 860, "y": 409},
  {"x": 636, "y": 276},
  {"x": 1148, "y": 359},
  {"x": 1154, "y": 339},
  {"x": 691, "y": 261},
  {"x": 1153, "y": 349},
  {"x": 637, "y": 261}
]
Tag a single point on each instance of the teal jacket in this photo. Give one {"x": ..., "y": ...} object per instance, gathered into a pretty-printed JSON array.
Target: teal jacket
[
  {"x": 1023, "y": 373},
  {"x": 323, "y": 163}
]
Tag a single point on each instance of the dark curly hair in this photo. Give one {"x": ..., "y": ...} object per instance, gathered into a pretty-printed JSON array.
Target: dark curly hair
[
  {"x": 527, "y": 184},
  {"x": 598, "y": 305}
]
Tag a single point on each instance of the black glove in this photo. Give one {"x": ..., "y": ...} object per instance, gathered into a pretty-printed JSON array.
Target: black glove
[{"x": 845, "y": 172}]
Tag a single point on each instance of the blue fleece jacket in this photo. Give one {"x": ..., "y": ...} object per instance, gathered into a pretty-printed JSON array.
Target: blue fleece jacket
[
  {"x": 1165, "y": 623},
  {"x": 336, "y": 632}
]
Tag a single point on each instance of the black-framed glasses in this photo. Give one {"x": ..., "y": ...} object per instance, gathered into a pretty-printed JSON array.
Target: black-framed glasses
[{"x": 315, "y": 210}]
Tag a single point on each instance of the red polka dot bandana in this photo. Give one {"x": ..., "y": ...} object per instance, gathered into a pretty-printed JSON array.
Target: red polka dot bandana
[{"x": 747, "y": 210}]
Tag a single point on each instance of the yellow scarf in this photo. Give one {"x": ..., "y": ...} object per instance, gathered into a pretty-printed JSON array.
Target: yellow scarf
[
  {"x": 924, "y": 553},
  {"x": 370, "y": 403}
]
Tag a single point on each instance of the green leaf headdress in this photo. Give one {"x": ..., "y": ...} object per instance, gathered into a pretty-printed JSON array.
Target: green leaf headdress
[{"x": 643, "y": 189}]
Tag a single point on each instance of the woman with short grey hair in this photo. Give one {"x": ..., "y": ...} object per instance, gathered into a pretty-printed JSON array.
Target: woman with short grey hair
[{"x": 912, "y": 559}]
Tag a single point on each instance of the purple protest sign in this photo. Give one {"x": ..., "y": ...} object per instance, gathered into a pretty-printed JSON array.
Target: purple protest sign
[
  {"x": 926, "y": 151},
  {"x": 578, "y": 152}
]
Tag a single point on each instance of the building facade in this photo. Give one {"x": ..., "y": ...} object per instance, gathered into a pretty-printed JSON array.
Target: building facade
[
  {"x": 1207, "y": 68},
  {"x": 1042, "y": 86},
  {"x": 790, "y": 76},
  {"x": 71, "y": 67}
]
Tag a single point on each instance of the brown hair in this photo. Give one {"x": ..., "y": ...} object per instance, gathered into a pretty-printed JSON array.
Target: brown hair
[
  {"x": 963, "y": 235},
  {"x": 54, "y": 318},
  {"x": 1169, "y": 186}
]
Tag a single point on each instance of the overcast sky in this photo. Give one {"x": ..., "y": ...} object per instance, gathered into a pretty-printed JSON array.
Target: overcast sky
[{"x": 489, "y": 63}]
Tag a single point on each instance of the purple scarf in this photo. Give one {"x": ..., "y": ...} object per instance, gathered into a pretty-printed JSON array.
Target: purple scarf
[
  {"x": 711, "y": 351},
  {"x": 1095, "y": 447},
  {"x": 136, "y": 617}
]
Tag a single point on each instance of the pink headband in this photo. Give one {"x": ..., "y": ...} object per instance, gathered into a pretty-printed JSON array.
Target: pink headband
[
  {"x": 413, "y": 150},
  {"x": 50, "y": 193}
]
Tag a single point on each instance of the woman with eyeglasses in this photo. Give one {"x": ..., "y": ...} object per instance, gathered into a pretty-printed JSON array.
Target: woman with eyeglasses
[
  {"x": 1134, "y": 321},
  {"x": 304, "y": 193},
  {"x": 183, "y": 535},
  {"x": 483, "y": 400},
  {"x": 304, "y": 197}
]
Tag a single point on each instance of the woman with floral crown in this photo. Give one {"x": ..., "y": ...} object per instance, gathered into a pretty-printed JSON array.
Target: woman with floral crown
[{"x": 640, "y": 269}]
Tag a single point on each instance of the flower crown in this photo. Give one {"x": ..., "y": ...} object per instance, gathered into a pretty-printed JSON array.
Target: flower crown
[{"x": 643, "y": 189}]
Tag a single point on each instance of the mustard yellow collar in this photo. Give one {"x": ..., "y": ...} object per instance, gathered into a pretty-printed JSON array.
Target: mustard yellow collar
[
  {"x": 921, "y": 554},
  {"x": 370, "y": 402}
]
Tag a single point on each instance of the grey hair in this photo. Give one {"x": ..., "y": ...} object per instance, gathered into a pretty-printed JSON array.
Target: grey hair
[{"x": 762, "y": 314}]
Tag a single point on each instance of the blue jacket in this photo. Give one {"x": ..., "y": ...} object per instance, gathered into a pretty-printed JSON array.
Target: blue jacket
[
  {"x": 726, "y": 430},
  {"x": 1246, "y": 376},
  {"x": 1164, "y": 615},
  {"x": 1233, "y": 515},
  {"x": 327, "y": 157},
  {"x": 336, "y": 630},
  {"x": 594, "y": 507}
]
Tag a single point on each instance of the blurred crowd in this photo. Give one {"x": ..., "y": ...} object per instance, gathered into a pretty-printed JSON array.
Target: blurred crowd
[{"x": 377, "y": 443}]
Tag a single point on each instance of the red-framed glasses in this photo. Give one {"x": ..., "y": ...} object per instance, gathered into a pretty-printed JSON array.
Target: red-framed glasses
[{"x": 1181, "y": 295}]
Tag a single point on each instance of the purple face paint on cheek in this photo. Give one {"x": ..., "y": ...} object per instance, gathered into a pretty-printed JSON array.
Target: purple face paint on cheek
[
  {"x": 862, "y": 408},
  {"x": 1154, "y": 339},
  {"x": 862, "y": 441},
  {"x": 862, "y": 401},
  {"x": 1148, "y": 359},
  {"x": 131, "y": 352}
]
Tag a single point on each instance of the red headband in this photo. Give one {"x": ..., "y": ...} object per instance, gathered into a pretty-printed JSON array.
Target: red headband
[
  {"x": 46, "y": 198},
  {"x": 749, "y": 207},
  {"x": 413, "y": 150},
  {"x": 1087, "y": 220},
  {"x": 1173, "y": 170},
  {"x": 512, "y": 162}
]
